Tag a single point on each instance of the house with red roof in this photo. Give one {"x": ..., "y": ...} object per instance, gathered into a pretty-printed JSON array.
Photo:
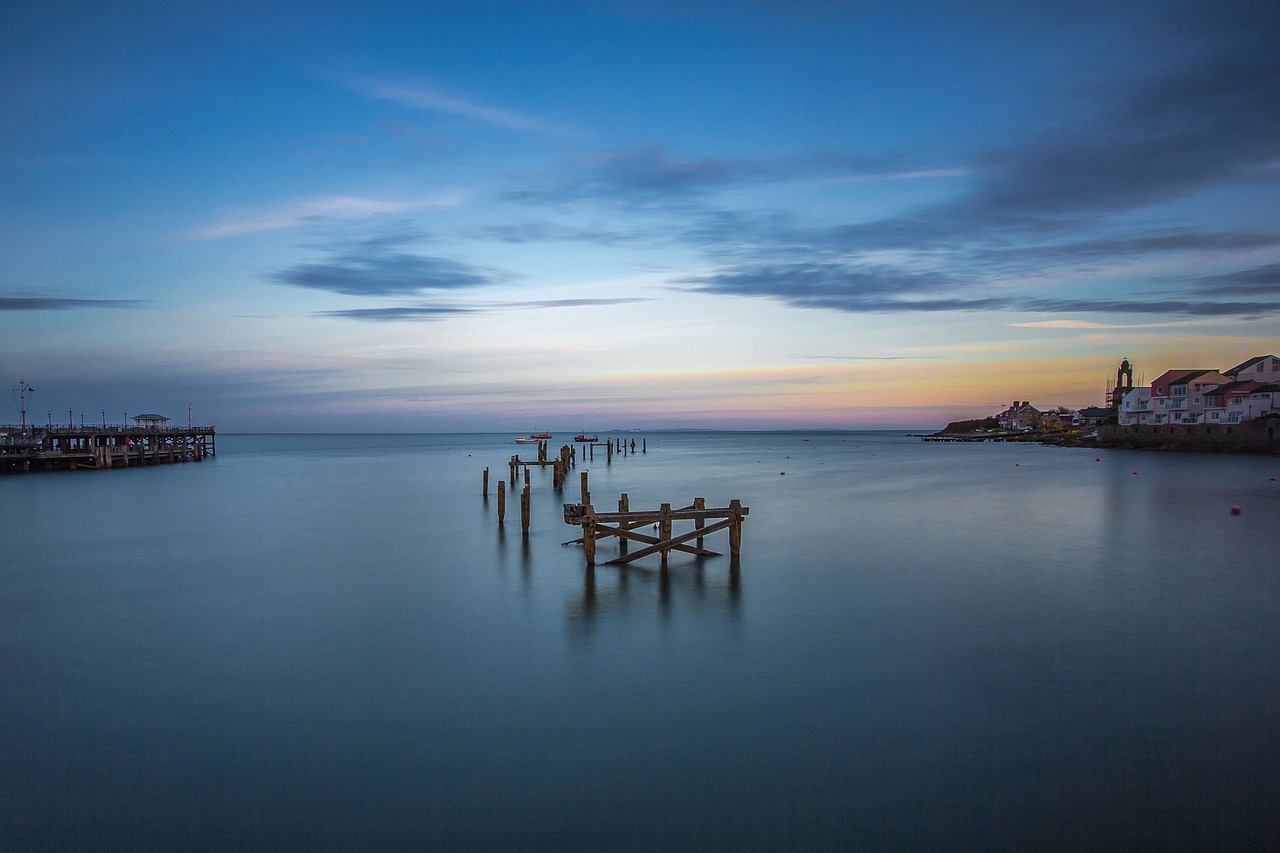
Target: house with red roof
[
  {"x": 1177, "y": 396},
  {"x": 1241, "y": 401}
]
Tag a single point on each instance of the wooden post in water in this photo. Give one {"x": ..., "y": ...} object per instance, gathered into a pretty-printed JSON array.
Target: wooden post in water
[
  {"x": 589, "y": 537},
  {"x": 735, "y": 527},
  {"x": 624, "y": 505},
  {"x": 524, "y": 510},
  {"x": 664, "y": 529},
  {"x": 513, "y": 472},
  {"x": 591, "y": 452},
  {"x": 608, "y": 448},
  {"x": 700, "y": 521},
  {"x": 485, "y": 491},
  {"x": 586, "y": 493},
  {"x": 644, "y": 445},
  {"x": 502, "y": 501}
]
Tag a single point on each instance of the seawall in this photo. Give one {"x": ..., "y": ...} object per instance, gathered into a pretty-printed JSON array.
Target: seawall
[{"x": 1256, "y": 436}]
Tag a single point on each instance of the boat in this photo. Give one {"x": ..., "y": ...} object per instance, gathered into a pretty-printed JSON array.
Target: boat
[
  {"x": 541, "y": 435},
  {"x": 584, "y": 437},
  {"x": 527, "y": 439}
]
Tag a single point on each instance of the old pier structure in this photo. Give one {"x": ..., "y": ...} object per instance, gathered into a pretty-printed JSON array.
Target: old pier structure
[{"x": 624, "y": 525}]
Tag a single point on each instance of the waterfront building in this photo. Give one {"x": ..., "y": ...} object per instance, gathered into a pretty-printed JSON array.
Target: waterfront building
[
  {"x": 1235, "y": 402},
  {"x": 1177, "y": 396},
  {"x": 1020, "y": 416},
  {"x": 1260, "y": 368},
  {"x": 1135, "y": 408}
]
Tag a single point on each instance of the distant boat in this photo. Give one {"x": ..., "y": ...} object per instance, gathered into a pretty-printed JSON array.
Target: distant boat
[
  {"x": 525, "y": 439},
  {"x": 541, "y": 435},
  {"x": 582, "y": 437}
]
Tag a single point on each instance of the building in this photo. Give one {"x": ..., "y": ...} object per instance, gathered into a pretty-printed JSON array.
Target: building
[
  {"x": 1260, "y": 368},
  {"x": 1020, "y": 416},
  {"x": 1177, "y": 396},
  {"x": 149, "y": 421},
  {"x": 1241, "y": 401},
  {"x": 1135, "y": 408}
]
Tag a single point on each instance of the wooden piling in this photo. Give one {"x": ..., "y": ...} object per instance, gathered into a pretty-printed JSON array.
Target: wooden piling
[
  {"x": 524, "y": 510},
  {"x": 502, "y": 501},
  {"x": 609, "y": 452},
  {"x": 624, "y": 505},
  {"x": 735, "y": 527},
  {"x": 513, "y": 472},
  {"x": 586, "y": 493},
  {"x": 664, "y": 529},
  {"x": 589, "y": 537},
  {"x": 644, "y": 445},
  {"x": 699, "y": 521},
  {"x": 485, "y": 488}
]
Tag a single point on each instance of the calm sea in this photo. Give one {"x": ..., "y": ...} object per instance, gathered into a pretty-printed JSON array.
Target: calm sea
[{"x": 326, "y": 642}]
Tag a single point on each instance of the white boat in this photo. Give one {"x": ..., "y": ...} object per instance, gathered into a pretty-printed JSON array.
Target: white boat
[{"x": 524, "y": 439}]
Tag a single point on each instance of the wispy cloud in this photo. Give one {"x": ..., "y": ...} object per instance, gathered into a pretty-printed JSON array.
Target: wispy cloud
[
  {"x": 379, "y": 267},
  {"x": 401, "y": 312},
  {"x": 869, "y": 357},
  {"x": 312, "y": 211},
  {"x": 51, "y": 303},
  {"x": 441, "y": 311},
  {"x": 421, "y": 95}
]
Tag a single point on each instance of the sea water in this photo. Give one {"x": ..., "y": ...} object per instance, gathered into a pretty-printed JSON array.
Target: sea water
[{"x": 328, "y": 642}]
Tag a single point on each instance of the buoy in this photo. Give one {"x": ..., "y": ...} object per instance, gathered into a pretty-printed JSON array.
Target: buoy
[
  {"x": 1017, "y": 465},
  {"x": 1135, "y": 470},
  {"x": 782, "y": 473},
  {"x": 1097, "y": 459},
  {"x": 1235, "y": 510}
]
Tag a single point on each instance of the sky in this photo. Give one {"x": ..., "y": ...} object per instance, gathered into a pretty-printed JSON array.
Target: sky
[{"x": 408, "y": 217}]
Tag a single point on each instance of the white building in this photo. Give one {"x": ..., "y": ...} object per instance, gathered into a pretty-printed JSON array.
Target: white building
[{"x": 1136, "y": 407}]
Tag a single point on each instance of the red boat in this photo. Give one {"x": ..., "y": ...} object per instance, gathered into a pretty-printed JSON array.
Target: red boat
[{"x": 584, "y": 437}]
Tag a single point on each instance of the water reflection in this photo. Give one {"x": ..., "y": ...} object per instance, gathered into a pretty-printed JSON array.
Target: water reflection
[{"x": 699, "y": 588}]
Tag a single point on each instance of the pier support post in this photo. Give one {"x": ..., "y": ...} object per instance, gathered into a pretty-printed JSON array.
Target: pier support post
[
  {"x": 589, "y": 537},
  {"x": 735, "y": 527},
  {"x": 586, "y": 492},
  {"x": 644, "y": 445},
  {"x": 524, "y": 510},
  {"x": 609, "y": 451},
  {"x": 700, "y": 521},
  {"x": 485, "y": 488},
  {"x": 624, "y": 505},
  {"x": 513, "y": 471},
  {"x": 502, "y": 501},
  {"x": 664, "y": 530}
]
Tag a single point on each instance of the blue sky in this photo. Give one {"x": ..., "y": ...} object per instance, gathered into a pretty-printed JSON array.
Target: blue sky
[{"x": 333, "y": 216}]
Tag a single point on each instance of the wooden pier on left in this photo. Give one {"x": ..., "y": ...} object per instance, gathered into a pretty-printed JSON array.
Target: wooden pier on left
[{"x": 67, "y": 448}]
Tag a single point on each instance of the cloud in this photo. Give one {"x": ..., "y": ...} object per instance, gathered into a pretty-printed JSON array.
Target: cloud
[
  {"x": 313, "y": 211},
  {"x": 49, "y": 303},
  {"x": 420, "y": 95},
  {"x": 869, "y": 357},
  {"x": 404, "y": 312},
  {"x": 377, "y": 268},
  {"x": 437, "y": 311},
  {"x": 1260, "y": 281},
  {"x": 880, "y": 289}
]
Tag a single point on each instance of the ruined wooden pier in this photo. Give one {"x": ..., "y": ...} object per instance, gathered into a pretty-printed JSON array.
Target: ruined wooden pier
[{"x": 622, "y": 524}]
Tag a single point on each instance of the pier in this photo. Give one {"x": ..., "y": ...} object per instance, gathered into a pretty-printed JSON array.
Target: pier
[
  {"x": 622, "y": 524},
  {"x": 69, "y": 448}
]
